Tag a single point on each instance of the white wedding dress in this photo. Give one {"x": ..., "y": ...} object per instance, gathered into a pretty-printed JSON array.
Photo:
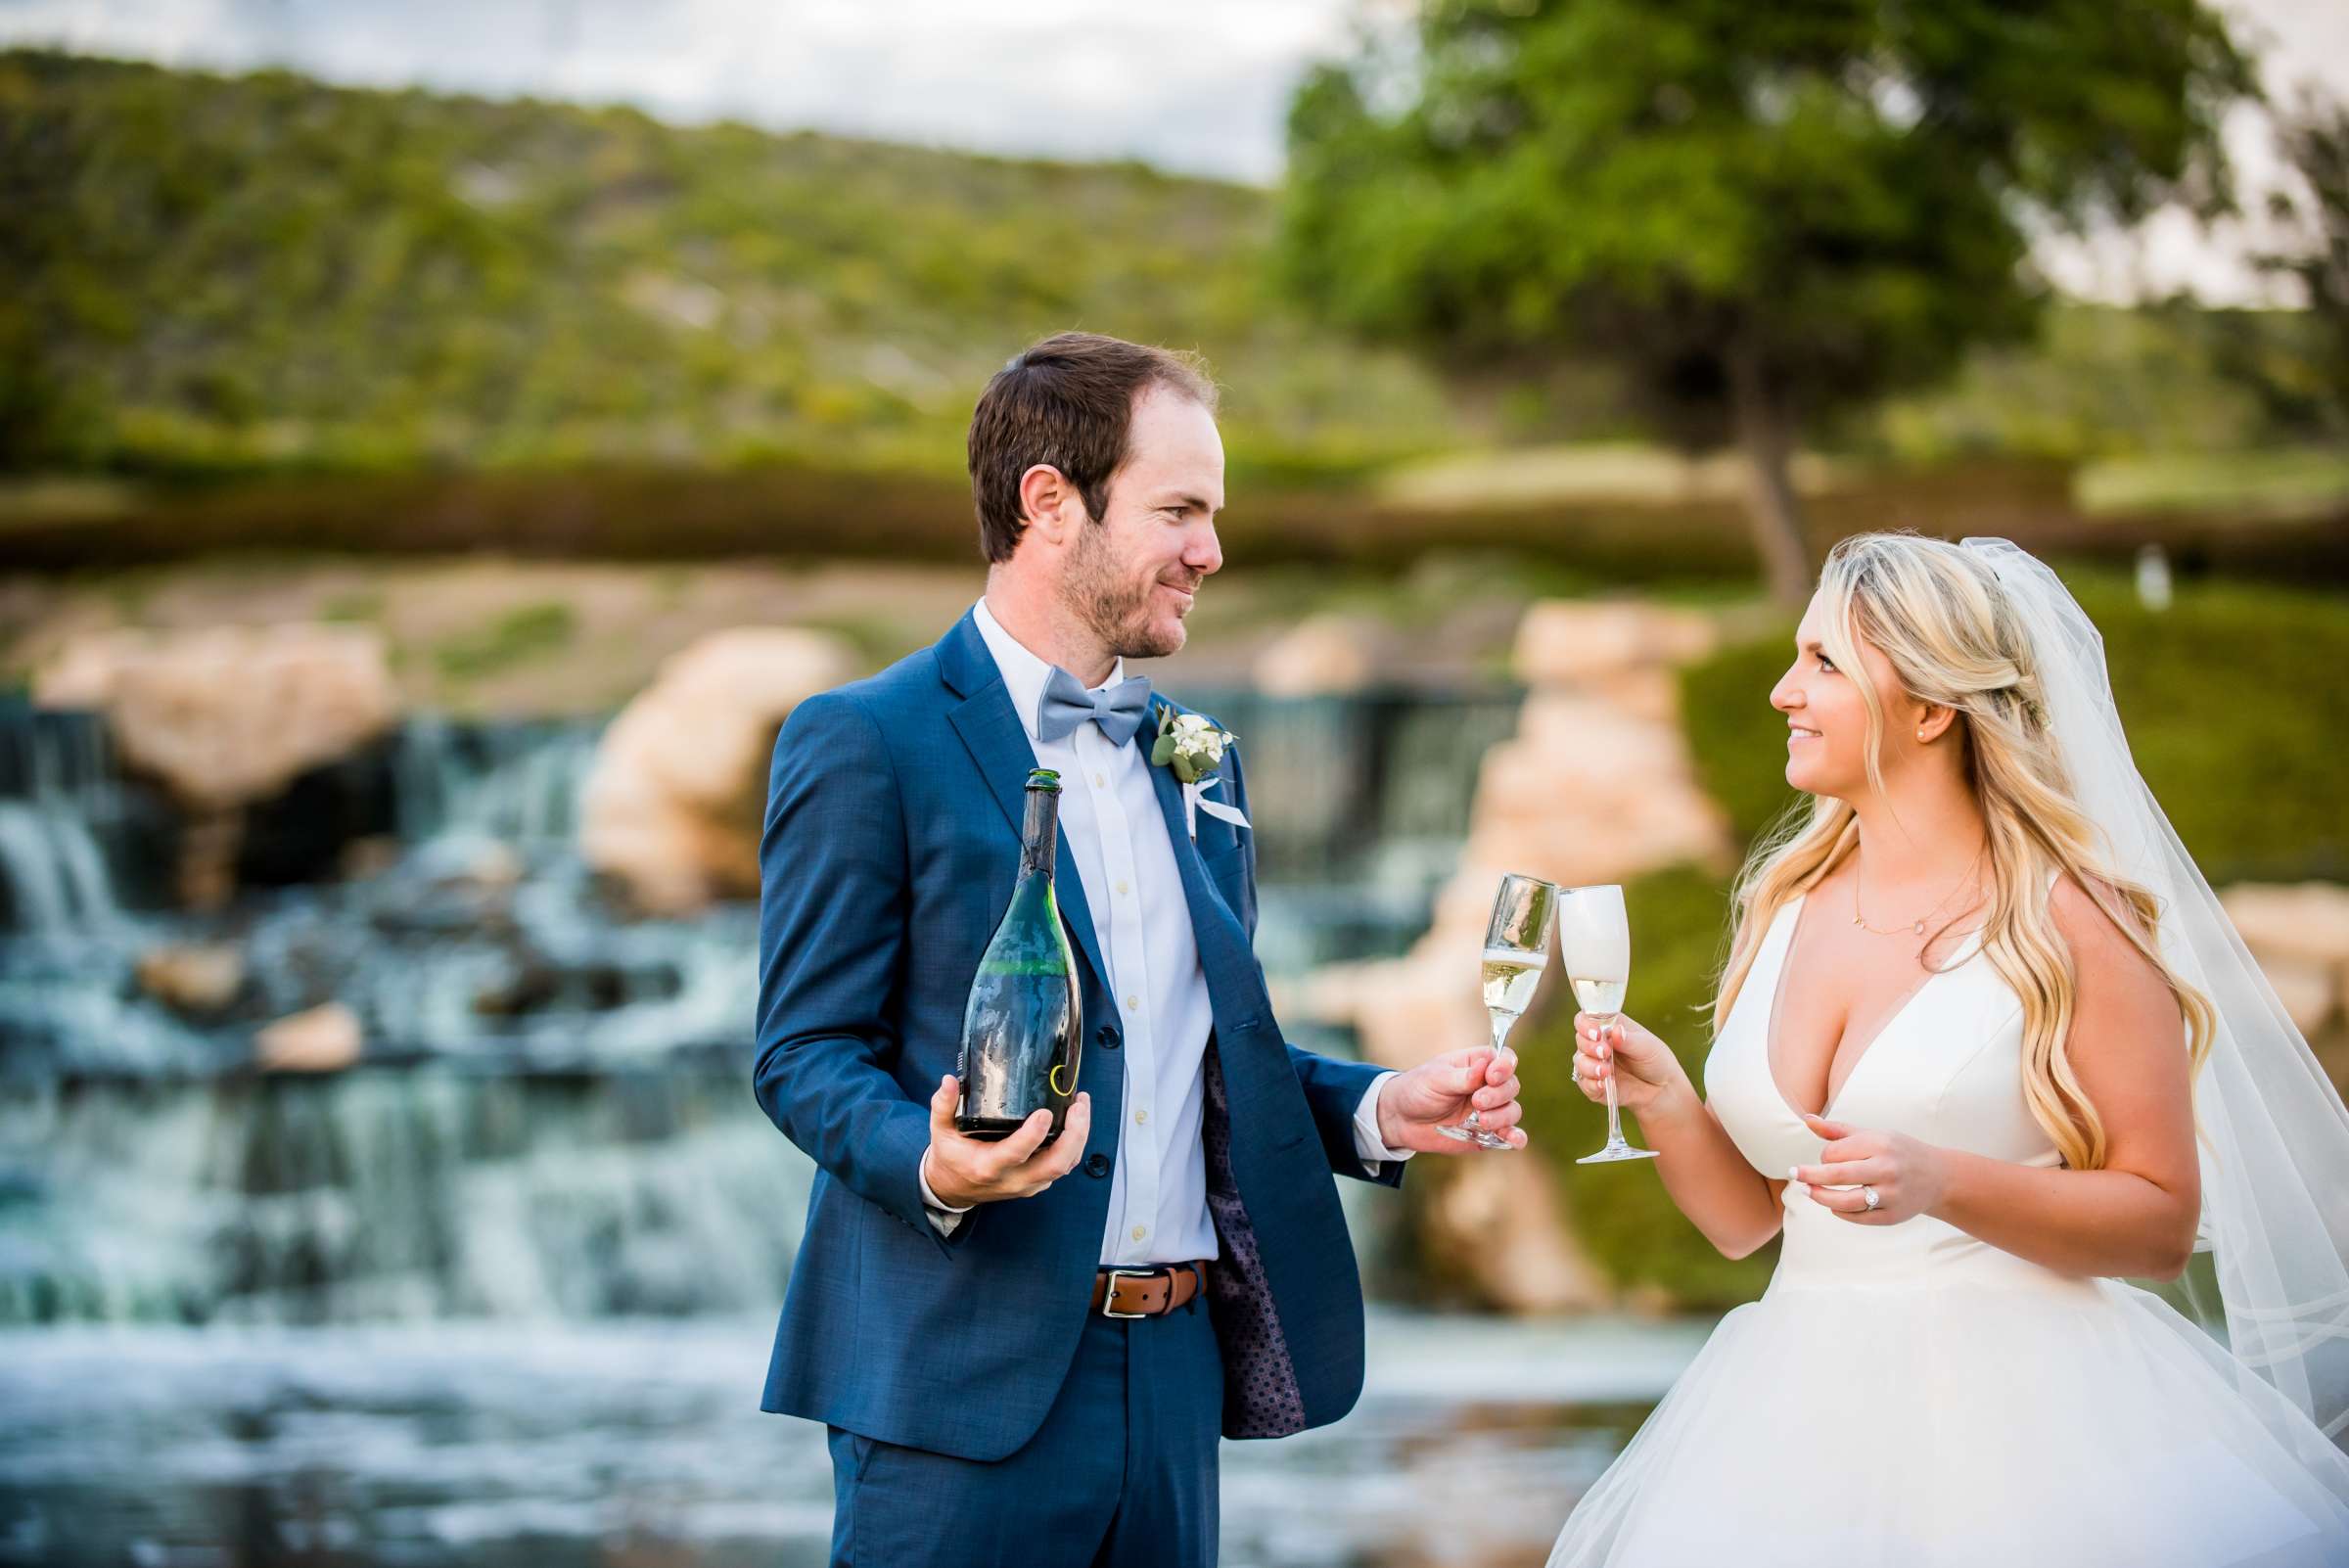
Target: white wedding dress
[{"x": 1908, "y": 1394}]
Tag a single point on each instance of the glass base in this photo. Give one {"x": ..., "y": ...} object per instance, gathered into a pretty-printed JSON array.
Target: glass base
[
  {"x": 1465, "y": 1133},
  {"x": 1617, "y": 1151}
]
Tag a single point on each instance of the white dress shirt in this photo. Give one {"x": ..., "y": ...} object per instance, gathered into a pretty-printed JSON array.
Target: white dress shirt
[{"x": 1125, "y": 860}]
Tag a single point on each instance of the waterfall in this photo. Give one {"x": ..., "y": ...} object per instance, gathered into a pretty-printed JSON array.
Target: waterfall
[
  {"x": 60, "y": 796},
  {"x": 55, "y": 874},
  {"x": 378, "y": 1195},
  {"x": 517, "y": 781},
  {"x": 551, "y": 1116}
]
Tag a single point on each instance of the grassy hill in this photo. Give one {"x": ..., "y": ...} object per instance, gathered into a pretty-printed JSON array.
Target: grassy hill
[
  {"x": 204, "y": 274},
  {"x": 260, "y": 313}
]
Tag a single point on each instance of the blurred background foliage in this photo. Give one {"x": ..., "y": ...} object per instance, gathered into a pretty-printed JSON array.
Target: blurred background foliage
[
  {"x": 262, "y": 312},
  {"x": 212, "y": 275}
]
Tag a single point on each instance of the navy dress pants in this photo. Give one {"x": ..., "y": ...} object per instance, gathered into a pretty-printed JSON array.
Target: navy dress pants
[{"x": 1120, "y": 1475}]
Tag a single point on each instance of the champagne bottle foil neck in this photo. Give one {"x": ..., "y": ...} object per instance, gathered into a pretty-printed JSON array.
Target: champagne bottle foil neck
[{"x": 1040, "y": 834}]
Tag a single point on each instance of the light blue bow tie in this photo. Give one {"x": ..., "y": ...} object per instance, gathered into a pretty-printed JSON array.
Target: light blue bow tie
[{"x": 1119, "y": 710}]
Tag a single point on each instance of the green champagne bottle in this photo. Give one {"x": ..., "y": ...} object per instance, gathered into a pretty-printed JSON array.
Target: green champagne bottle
[{"x": 1020, "y": 1027}]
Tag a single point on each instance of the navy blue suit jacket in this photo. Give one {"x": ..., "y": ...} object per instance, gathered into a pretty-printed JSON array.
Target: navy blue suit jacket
[{"x": 890, "y": 847}]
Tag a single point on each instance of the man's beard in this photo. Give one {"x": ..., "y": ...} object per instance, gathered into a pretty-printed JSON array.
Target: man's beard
[{"x": 1117, "y": 609}]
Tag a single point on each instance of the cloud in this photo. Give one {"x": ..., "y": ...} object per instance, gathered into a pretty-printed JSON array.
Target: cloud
[{"x": 1196, "y": 86}]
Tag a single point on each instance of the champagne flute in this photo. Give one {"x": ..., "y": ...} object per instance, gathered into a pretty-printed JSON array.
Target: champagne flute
[
  {"x": 1596, "y": 940},
  {"x": 1516, "y": 949}
]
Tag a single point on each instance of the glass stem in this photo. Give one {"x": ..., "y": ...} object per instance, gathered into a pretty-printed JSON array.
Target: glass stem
[
  {"x": 1614, "y": 1116},
  {"x": 1502, "y": 1024}
]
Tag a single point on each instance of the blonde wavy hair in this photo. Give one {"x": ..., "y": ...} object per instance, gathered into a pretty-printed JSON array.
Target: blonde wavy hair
[{"x": 1935, "y": 610}]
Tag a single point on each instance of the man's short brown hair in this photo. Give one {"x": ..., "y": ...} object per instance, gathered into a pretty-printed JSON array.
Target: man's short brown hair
[{"x": 1066, "y": 401}]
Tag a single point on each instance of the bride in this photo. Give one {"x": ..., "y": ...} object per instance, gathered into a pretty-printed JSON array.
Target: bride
[{"x": 2021, "y": 1055}]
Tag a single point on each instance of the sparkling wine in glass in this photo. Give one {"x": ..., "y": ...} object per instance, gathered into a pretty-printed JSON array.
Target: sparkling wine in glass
[
  {"x": 1595, "y": 937},
  {"x": 1516, "y": 951}
]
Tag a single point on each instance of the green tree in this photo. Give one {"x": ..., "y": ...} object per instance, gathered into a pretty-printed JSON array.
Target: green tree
[
  {"x": 2314, "y": 140},
  {"x": 1761, "y": 215}
]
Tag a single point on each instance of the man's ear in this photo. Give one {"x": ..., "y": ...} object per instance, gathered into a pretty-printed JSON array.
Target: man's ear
[{"x": 1053, "y": 508}]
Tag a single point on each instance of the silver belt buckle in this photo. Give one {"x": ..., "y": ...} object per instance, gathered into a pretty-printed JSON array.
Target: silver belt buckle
[{"x": 1109, "y": 1296}]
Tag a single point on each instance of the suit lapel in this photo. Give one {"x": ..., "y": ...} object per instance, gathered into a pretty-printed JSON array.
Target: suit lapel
[{"x": 998, "y": 745}]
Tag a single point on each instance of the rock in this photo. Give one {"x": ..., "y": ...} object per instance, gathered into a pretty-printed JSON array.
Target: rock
[
  {"x": 369, "y": 855},
  {"x": 2308, "y": 921},
  {"x": 323, "y": 1040},
  {"x": 2310, "y": 994},
  {"x": 1320, "y": 655},
  {"x": 2300, "y": 936},
  {"x": 672, "y": 805},
  {"x": 1596, "y": 785},
  {"x": 1497, "y": 1221},
  {"x": 225, "y": 715},
  {"x": 193, "y": 979},
  {"x": 1585, "y": 643}
]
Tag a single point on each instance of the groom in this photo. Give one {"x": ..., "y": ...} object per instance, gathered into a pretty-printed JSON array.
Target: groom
[{"x": 1025, "y": 1353}]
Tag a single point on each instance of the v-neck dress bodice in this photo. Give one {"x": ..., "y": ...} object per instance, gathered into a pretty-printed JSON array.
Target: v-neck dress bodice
[
  {"x": 1906, "y": 1393},
  {"x": 1946, "y": 1067}
]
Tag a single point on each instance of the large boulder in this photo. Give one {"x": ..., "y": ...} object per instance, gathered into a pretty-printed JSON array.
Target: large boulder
[
  {"x": 224, "y": 717},
  {"x": 324, "y": 1040},
  {"x": 674, "y": 802},
  {"x": 1498, "y": 1223},
  {"x": 1596, "y": 785},
  {"x": 2300, "y": 936},
  {"x": 1320, "y": 655},
  {"x": 193, "y": 979},
  {"x": 1592, "y": 645}
]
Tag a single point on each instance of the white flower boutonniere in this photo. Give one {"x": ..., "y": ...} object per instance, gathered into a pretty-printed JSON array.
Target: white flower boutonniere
[{"x": 1193, "y": 746}]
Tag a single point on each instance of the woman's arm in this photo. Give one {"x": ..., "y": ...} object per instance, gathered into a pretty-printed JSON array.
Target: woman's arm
[
  {"x": 2136, "y": 1215},
  {"x": 2128, "y": 1048},
  {"x": 1724, "y": 1197}
]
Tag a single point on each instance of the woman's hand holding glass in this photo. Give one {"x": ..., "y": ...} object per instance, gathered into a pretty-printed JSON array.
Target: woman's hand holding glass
[{"x": 1648, "y": 1077}]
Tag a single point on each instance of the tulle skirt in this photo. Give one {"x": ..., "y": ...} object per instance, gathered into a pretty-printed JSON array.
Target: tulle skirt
[{"x": 1958, "y": 1424}]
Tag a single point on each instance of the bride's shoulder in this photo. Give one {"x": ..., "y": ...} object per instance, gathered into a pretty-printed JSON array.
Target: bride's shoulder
[
  {"x": 2090, "y": 921},
  {"x": 2109, "y": 969}
]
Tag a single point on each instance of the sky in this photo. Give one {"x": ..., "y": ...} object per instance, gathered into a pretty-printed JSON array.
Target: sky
[{"x": 1199, "y": 86}]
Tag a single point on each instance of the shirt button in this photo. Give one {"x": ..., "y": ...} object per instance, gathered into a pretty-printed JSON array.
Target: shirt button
[
  {"x": 1140, "y": 1232},
  {"x": 1121, "y": 890},
  {"x": 1099, "y": 781},
  {"x": 1132, "y": 1006},
  {"x": 1141, "y": 1117}
]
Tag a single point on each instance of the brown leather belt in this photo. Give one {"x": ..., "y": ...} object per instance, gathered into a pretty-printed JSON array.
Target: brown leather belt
[{"x": 1145, "y": 1292}]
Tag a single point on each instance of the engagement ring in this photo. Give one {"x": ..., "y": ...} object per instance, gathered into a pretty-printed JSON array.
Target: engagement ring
[{"x": 1869, "y": 1193}]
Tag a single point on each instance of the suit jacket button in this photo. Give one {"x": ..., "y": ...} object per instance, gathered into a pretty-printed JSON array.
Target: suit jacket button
[
  {"x": 1096, "y": 1164},
  {"x": 1107, "y": 1035}
]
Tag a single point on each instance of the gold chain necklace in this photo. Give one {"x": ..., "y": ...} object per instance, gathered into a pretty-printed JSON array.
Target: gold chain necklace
[{"x": 1916, "y": 926}]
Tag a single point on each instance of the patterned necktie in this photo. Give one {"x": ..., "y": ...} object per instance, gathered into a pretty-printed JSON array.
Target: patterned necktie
[{"x": 1119, "y": 710}]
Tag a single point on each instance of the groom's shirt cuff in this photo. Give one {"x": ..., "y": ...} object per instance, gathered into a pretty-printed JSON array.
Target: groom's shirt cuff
[
  {"x": 944, "y": 1215},
  {"x": 1366, "y": 1141}
]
